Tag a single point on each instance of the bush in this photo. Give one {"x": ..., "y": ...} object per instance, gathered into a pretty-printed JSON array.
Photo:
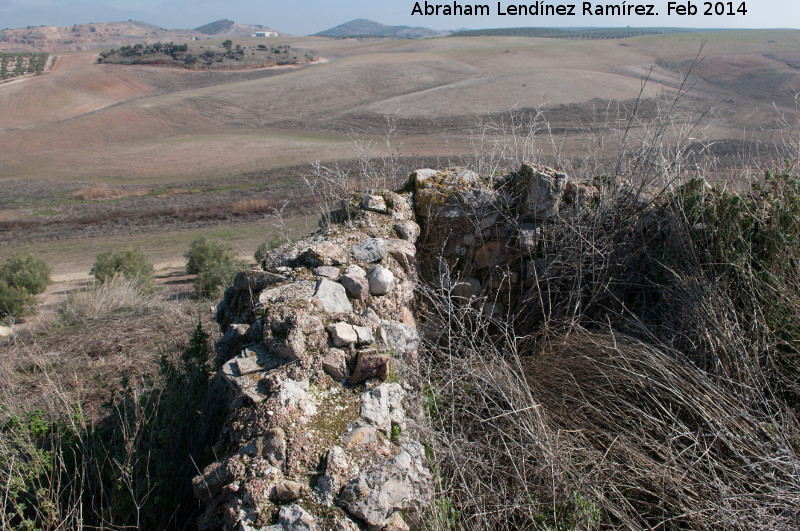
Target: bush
[
  {"x": 214, "y": 264},
  {"x": 30, "y": 273},
  {"x": 261, "y": 250},
  {"x": 131, "y": 264},
  {"x": 14, "y": 301}
]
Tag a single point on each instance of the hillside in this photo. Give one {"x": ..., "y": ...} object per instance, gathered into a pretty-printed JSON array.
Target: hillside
[
  {"x": 368, "y": 28},
  {"x": 229, "y": 28},
  {"x": 95, "y": 36}
]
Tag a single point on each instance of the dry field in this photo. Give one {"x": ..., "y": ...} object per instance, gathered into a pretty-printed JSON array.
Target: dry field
[{"x": 105, "y": 151}]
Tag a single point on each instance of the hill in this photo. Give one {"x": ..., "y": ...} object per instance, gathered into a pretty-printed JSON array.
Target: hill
[
  {"x": 97, "y": 36},
  {"x": 87, "y": 36},
  {"x": 229, "y": 28},
  {"x": 570, "y": 33},
  {"x": 367, "y": 28}
]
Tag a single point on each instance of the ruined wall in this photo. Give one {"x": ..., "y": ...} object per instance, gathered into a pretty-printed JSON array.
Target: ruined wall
[{"x": 320, "y": 350}]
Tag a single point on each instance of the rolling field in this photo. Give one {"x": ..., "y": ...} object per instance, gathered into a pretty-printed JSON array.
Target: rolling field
[{"x": 216, "y": 137}]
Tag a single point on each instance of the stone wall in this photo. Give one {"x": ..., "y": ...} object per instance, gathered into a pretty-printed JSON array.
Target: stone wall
[{"x": 320, "y": 350}]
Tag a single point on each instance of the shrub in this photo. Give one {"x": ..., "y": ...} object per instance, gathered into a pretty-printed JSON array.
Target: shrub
[
  {"x": 14, "y": 301},
  {"x": 214, "y": 264},
  {"x": 29, "y": 273},
  {"x": 131, "y": 264}
]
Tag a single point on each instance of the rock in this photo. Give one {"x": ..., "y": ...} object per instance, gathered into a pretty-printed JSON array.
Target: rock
[
  {"x": 329, "y": 272},
  {"x": 493, "y": 309},
  {"x": 407, "y": 230},
  {"x": 467, "y": 289},
  {"x": 399, "y": 337},
  {"x": 356, "y": 287},
  {"x": 365, "y": 336},
  {"x": 404, "y": 252},
  {"x": 528, "y": 237},
  {"x": 6, "y": 331},
  {"x": 231, "y": 343},
  {"x": 295, "y": 518},
  {"x": 293, "y": 397},
  {"x": 370, "y": 364},
  {"x": 543, "y": 188},
  {"x": 381, "y": 280},
  {"x": 332, "y": 481},
  {"x": 208, "y": 485},
  {"x": 294, "y": 292},
  {"x": 355, "y": 271},
  {"x": 396, "y": 523},
  {"x": 254, "y": 280},
  {"x": 312, "y": 325},
  {"x": 345, "y": 524},
  {"x": 407, "y": 318},
  {"x": 271, "y": 446},
  {"x": 332, "y": 297},
  {"x": 360, "y": 435},
  {"x": 370, "y": 250},
  {"x": 490, "y": 254},
  {"x": 335, "y": 364},
  {"x": 383, "y": 407},
  {"x": 342, "y": 334},
  {"x": 402, "y": 484},
  {"x": 451, "y": 193},
  {"x": 287, "y": 491},
  {"x": 374, "y": 203},
  {"x": 243, "y": 373},
  {"x": 580, "y": 193}
]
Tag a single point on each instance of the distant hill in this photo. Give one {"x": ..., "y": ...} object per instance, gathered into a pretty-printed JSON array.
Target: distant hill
[
  {"x": 367, "y": 28},
  {"x": 101, "y": 35},
  {"x": 568, "y": 33},
  {"x": 87, "y": 36},
  {"x": 229, "y": 28}
]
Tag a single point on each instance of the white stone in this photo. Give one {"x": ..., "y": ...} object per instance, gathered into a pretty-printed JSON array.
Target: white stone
[
  {"x": 333, "y": 297},
  {"x": 381, "y": 280},
  {"x": 342, "y": 334}
]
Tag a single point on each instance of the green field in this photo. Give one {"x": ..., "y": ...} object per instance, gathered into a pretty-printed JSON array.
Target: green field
[{"x": 17, "y": 64}]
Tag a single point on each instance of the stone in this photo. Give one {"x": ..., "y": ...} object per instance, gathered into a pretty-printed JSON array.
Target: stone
[
  {"x": 407, "y": 230},
  {"x": 453, "y": 193},
  {"x": 335, "y": 364},
  {"x": 334, "y": 478},
  {"x": 345, "y": 524},
  {"x": 255, "y": 280},
  {"x": 493, "y": 309},
  {"x": 328, "y": 272},
  {"x": 243, "y": 373},
  {"x": 370, "y": 250},
  {"x": 381, "y": 280},
  {"x": 231, "y": 343},
  {"x": 356, "y": 287},
  {"x": 295, "y": 518},
  {"x": 528, "y": 237},
  {"x": 293, "y": 292},
  {"x": 398, "y": 337},
  {"x": 6, "y": 331},
  {"x": 467, "y": 289},
  {"x": 374, "y": 203},
  {"x": 360, "y": 435},
  {"x": 490, "y": 254},
  {"x": 271, "y": 447},
  {"x": 312, "y": 325},
  {"x": 293, "y": 397},
  {"x": 396, "y": 523},
  {"x": 365, "y": 336},
  {"x": 383, "y": 407},
  {"x": 342, "y": 334},
  {"x": 370, "y": 364},
  {"x": 287, "y": 491},
  {"x": 355, "y": 271},
  {"x": 580, "y": 193},
  {"x": 332, "y": 296},
  {"x": 404, "y": 484},
  {"x": 208, "y": 485},
  {"x": 403, "y": 251},
  {"x": 542, "y": 190}
]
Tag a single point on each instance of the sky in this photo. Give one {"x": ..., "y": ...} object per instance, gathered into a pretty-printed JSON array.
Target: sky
[{"x": 303, "y": 17}]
